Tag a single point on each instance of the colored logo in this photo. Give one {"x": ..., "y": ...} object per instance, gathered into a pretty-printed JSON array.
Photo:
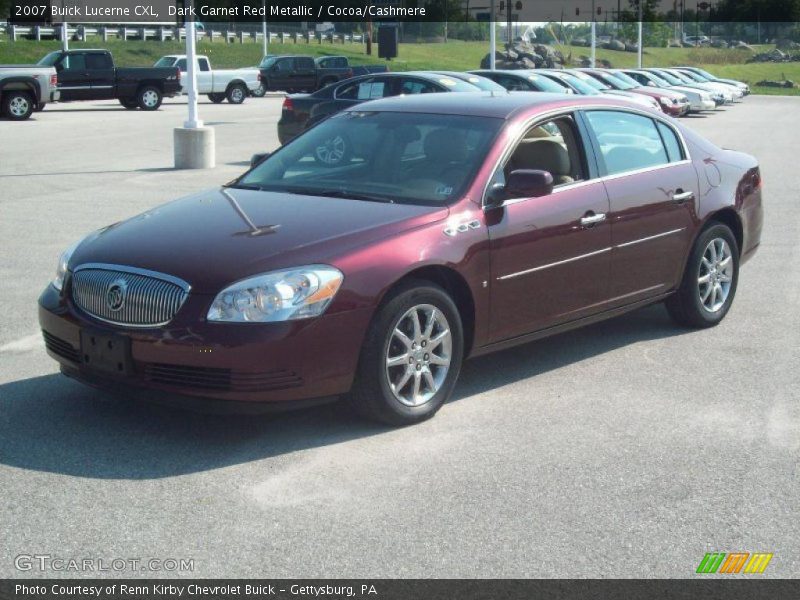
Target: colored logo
[{"x": 734, "y": 562}]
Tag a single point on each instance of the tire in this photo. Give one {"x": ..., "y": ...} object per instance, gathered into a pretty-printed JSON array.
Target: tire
[
  {"x": 216, "y": 98},
  {"x": 149, "y": 97},
  {"x": 334, "y": 151},
  {"x": 129, "y": 103},
  {"x": 236, "y": 93},
  {"x": 417, "y": 385},
  {"x": 260, "y": 91},
  {"x": 709, "y": 281},
  {"x": 40, "y": 107},
  {"x": 17, "y": 105}
]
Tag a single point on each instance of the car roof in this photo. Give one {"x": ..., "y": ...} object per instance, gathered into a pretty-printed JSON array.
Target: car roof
[{"x": 485, "y": 104}]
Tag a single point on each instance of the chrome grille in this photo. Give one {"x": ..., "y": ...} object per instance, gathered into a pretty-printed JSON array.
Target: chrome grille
[{"x": 148, "y": 299}]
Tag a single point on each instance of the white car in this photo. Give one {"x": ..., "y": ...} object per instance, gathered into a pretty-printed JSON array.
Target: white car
[
  {"x": 603, "y": 88},
  {"x": 729, "y": 93},
  {"x": 219, "y": 84},
  {"x": 699, "y": 99}
]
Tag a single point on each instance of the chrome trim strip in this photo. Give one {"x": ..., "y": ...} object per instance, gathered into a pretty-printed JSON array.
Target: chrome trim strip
[
  {"x": 648, "y": 238},
  {"x": 136, "y": 271},
  {"x": 555, "y": 264}
]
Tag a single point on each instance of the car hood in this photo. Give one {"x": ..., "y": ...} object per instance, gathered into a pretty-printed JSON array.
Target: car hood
[
  {"x": 219, "y": 236},
  {"x": 690, "y": 92}
]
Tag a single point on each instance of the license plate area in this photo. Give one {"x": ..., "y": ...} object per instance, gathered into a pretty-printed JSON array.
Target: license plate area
[{"x": 109, "y": 354}]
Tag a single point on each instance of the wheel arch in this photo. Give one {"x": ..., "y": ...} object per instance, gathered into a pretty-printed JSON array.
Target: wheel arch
[
  {"x": 21, "y": 84},
  {"x": 454, "y": 284},
  {"x": 234, "y": 83},
  {"x": 728, "y": 216}
]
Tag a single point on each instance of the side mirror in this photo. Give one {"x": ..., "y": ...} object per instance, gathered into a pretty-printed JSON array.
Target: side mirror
[
  {"x": 258, "y": 159},
  {"x": 528, "y": 183}
]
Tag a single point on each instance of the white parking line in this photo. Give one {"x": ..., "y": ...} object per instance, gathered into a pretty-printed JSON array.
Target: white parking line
[{"x": 26, "y": 344}]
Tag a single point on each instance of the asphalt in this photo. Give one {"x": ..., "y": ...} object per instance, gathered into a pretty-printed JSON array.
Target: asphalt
[{"x": 627, "y": 449}]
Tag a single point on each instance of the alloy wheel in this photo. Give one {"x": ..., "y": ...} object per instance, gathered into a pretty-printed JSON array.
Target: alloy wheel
[
  {"x": 19, "y": 106},
  {"x": 418, "y": 355},
  {"x": 715, "y": 275}
]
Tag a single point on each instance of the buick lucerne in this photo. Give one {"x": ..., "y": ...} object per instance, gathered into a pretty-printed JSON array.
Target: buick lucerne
[{"x": 368, "y": 257}]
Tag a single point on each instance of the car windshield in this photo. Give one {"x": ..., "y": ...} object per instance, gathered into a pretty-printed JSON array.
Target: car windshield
[
  {"x": 617, "y": 82},
  {"x": 691, "y": 76},
  {"x": 483, "y": 84},
  {"x": 408, "y": 158},
  {"x": 268, "y": 62},
  {"x": 669, "y": 77},
  {"x": 705, "y": 74},
  {"x": 165, "y": 61},
  {"x": 589, "y": 80},
  {"x": 627, "y": 79},
  {"x": 546, "y": 84},
  {"x": 658, "y": 80},
  {"x": 50, "y": 59},
  {"x": 582, "y": 87},
  {"x": 682, "y": 78}
]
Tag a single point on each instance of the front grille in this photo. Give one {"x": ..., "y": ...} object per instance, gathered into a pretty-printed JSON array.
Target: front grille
[
  {"x": 220, "y": 379},
  {"x": 61, "y": 347},
  {"x": 126, "y": 296}
]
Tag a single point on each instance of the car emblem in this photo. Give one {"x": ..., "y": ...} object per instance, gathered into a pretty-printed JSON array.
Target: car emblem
[{"x": 115, "y": 296}]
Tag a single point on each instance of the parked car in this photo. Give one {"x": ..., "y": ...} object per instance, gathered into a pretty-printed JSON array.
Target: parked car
[
  {"x": 91, "y": 75},
  {"x": 464, "y": 224},
  {"x": 369, "y": 69},
  {"x": 605, "y": 88},
  {"x": 523, "y": 81},
  {"x": 672, "y": 103},
  {"x": 219, "y": 84},
  {"x": 26, "y": 88},
  {"x": 301, "y": 111},
  {"x": 690, "y": 76},
  {"x": 341, "y": 64},
  {"x": 709, "y": 77},
  {"x": 720, "y": 94},
  {"x": 699, "y": 100},
  {"x": 298, "y": 74},
  {"x": 707, "y": 96},
  {"x": 482, "y": 83}
]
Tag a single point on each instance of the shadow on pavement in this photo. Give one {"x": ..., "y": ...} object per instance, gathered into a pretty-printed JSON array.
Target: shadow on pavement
[{"x": 54, "y": 424}]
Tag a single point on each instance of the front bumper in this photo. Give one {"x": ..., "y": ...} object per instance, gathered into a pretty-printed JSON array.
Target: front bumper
[
  {"x": 703, "y": 105},
  {"x": 272, "y": 363},
  {"x": 676, "y": 110}
]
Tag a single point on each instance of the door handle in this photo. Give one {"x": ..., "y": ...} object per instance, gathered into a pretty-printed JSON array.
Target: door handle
[
  {"x": 593, "y": 219},
  {"x": 680, "y": 196}
]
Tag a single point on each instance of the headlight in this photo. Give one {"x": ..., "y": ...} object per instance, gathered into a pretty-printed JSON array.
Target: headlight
[
  {"x": 287, "y": 295},
  {"x": 61, "y": 269}
]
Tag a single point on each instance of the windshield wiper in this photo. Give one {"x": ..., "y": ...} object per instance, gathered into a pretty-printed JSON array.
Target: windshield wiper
[
  {"x": 247, "y": 186},
  {"x": 337, "y": 193}
]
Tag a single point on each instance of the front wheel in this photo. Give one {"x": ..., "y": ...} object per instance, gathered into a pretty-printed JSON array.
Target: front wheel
[
  {"x": 709, "y": 282},
  {"x": 411, "y": 357},
  {"x": 237, "y": 93},
  {"x": 149, "y": 98},
  {"x": 260, "y": 91},
  {"x": 17, "y": 106}
]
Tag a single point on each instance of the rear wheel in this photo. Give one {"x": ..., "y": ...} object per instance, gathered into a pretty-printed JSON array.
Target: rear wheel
[
  {"x": 260, "y": 91},
  {"x": 149, "y": 98},
  {"x": 17, "y": 105},
  {"x": 411, "y": 357},
  {"x": 129, "y": 103},
  {"x": 236, "y": 93},
  {"x": 709, "y": 283},
  {"x": 216, "y": 98}
]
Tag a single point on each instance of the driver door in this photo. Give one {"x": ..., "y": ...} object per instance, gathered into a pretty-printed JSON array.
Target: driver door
[{"x": 551, "y": 255}]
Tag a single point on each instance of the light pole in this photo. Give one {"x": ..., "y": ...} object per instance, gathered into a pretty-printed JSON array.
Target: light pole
[
  {"x": 264, "y": 30},
  {"x": 64, "y": 40},
  {"x": 639, "y": 41},
  {"x": 594, "y": 38},
  {"x": 492, "y": 37}
]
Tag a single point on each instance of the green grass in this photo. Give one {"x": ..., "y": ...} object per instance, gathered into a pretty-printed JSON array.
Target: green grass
[{"x": 455, "y": 55}]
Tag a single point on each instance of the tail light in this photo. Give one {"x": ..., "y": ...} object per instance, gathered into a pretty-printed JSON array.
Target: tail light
[
  {"x": 53, "y": 80},
  {"x": 288, "y": 105},
  {"x": 179, "y": 74}
]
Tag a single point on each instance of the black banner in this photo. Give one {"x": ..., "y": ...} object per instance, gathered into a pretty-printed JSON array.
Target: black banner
[
  {"x": 384, "y": 589},
  {"x": 316, "y": 11}
]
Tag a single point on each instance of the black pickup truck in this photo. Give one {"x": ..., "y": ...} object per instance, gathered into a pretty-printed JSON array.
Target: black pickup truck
[
  {"x": 300, "y": 73},
  {"x": 91, "y": 75}
]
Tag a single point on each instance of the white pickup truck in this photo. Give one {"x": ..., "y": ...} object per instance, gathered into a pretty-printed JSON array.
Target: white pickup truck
[
  {"x": 26, "y": 88},
  {"x": 218, "y": 84}
]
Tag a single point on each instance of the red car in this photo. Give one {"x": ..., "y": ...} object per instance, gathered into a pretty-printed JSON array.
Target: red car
[
  {"x": 448, "y": 226},
  {"x": 671, "y": 102}
]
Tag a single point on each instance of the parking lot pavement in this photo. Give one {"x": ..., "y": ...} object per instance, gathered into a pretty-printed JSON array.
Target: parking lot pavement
[{"x": 626, "y": 449}]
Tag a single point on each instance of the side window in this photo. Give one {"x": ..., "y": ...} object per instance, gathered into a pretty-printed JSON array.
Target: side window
[
  {"x": 513, "y": 84},
  {"x": 285, "y": 65},
  {"x": 181, "y": 64},
  {"x": 97, "y": 62},
  {"x": 204, "y": 66},
  {"x": 304, "y": 63},
  {"x": 417, "y": 86},
  {"x": 627, "y": 141},
  {"x": 552, "y": 146},
  {"x": 366, "y": 89},
  {"x": 671, "y": 143},
  {"x": 74, "y": 62}
]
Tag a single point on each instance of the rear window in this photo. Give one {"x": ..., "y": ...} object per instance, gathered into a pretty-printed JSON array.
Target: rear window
[{"x": 627, "y": 141}]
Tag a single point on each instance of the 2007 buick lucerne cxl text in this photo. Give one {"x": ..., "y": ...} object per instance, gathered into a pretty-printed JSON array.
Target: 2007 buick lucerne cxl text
[{"x": 373, "y": 253}]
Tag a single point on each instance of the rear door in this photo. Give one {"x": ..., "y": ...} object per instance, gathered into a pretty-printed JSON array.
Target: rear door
[
  {"x": 73, "y": 78},
  {"x": 100, "y": 68},
  {"x": 205, "y": 77},
  {"x": 305, "y": 74},
  {"x": 652, "y": 186}
]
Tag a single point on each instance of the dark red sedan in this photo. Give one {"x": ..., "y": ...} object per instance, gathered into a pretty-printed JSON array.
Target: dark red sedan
[{"x": 449, "y": 226}]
